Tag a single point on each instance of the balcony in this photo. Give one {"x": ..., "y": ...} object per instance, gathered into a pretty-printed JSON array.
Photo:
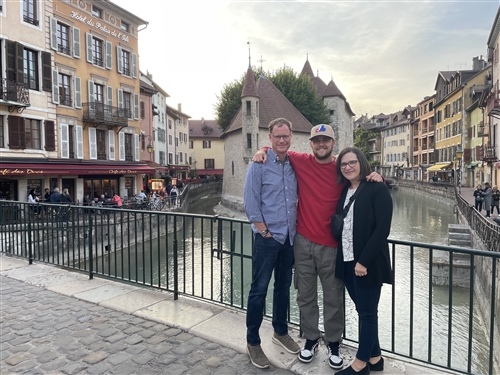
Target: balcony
[
  {"x": 493, "y": 104},
  {"x": 487, "y": 153},
  {"x": 480, "y": 130},
  {"x": 15, "y": 95},
  {"x": 102, "y": 114}
]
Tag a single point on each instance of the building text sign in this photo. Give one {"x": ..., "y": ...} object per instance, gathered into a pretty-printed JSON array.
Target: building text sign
[{"x": 100, "y": 26}]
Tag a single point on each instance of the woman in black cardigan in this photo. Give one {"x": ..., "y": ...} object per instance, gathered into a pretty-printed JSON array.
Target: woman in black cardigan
[{"x": 363, "y": 261}]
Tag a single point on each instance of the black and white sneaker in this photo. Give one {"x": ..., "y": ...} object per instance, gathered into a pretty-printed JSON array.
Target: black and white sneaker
[
  {"x": 335, "y": 359},
  {"x": 306, "y": 355}
]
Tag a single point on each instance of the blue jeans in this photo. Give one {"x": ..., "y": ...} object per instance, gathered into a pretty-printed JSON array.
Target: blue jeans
[
  {"x": 268, "y": 255},
  {"x": 366, "y": 301}
]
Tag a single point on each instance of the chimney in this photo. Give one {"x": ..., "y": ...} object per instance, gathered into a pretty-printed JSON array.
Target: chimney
[{"x": 179, "y": 107}]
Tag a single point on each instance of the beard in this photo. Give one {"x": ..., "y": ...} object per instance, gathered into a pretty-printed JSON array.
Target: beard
[{"x": 325, "y": 156}]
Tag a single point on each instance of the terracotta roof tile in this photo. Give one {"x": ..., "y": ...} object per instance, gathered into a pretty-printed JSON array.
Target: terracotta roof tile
[
  {"x": 332, "y": 90},
  {"x": 204, "y": 129},
  {"x": 272, "y": 104}
]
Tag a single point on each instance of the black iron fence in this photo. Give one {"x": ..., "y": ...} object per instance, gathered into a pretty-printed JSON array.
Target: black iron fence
[{"x": 423, "y": 316}]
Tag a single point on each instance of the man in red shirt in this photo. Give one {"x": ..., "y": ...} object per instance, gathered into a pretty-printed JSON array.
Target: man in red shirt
[{"x": 315, "y": 250}]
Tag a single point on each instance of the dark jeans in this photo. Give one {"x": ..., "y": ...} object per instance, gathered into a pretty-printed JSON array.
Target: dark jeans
[
  {"x": 366, "y": 301},
  {"x": 493, "y": 209},
  {"x": 268, "y": 255},
  {"x": 479, "y": 205}
]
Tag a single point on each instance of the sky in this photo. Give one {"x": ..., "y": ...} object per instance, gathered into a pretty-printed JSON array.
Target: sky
[{"x": 382, "y": 55}]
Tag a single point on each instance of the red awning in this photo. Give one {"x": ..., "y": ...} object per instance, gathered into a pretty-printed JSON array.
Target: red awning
[
  {"x": 7, "y": 169},
  {"x": 210, "y": 171},
  {"x": 157, "y": 166}
]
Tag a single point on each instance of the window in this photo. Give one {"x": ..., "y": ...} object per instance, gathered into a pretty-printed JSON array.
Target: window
[
  {"x": 332, "y": 112},
  {"x": 180, "y": 157},
  {"x": 176, "y": 141},
  {"x": 207, "y": 144},
  {"x": 62, "y": 33},
  {"x": 209, "y": 163},
  {"x": 101, "y": 144},
  {"x": 170, "y": 158},
  {"x": 249, "y": 108},
  {"x": 190, "y": 144},
  {"x": 96, "y": 12},
  {"x": 32, "y": 131},
  {"x": 30, "y": 12},
  {"x": 64, "y": 89},
  {"x": 124, "y": 26},
  {"x": 97, "y": 52},
  {"x": 249, "y": 140},
  {"x": 162, "y": 157},
  {"x": 129, "y": 148},
  {"x": 98, "y": 93},
  {"x": 143, "y": 111},
  {"x": 170, "y": 140},
  {"x": 126, "y": 63},
  {"x": 2, "y": 138},
  {"x": 170, "y": 124},
  {"x": 127, "y": 104},
  {"x": 31, "y": 69}
]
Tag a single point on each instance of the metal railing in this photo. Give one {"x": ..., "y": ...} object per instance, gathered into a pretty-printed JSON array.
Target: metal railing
[{"x": 209, "y": 257}]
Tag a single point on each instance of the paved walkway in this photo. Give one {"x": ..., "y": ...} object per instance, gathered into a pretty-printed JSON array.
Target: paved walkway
[{"x": 54, "y": 321}]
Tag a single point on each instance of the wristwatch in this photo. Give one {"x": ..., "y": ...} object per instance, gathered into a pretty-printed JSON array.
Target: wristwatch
[{"x": 264, "y": 232}]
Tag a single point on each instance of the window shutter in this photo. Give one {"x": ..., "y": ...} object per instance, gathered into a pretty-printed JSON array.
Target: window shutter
[
  {"x": 19, "y": 62},
  {"x": 111, "y": 143},
  {"x": 134, "y": 65},
  {"x": 91, "y": 97},
  {"x": 93, "y": 143},
  {"x": 110, "y": 96},
  {"x": 46, "y": 72},
  {"x": 89, "y": 47},
  {"x": 119, "y": 59},
  {"x": 17, "y": 134},
  {"x": 109, "y": 52},
  {"x": 121, "y": 146},
  {"x": 76, "y": 42},
  {"x": 120, "y": 97},
  {"x": 78, "y": 92},
  {"x": 64, "y": 141},
  {"x": 142, "y": 110},
  {"x": 79, "y": 142},
  {"x": 55, "y": 87},
  {"x": 136, "y": 147},
  {"x": 467, "y": 155},
  {"x": 11, "y": 48},
  {"x": 136, "y": 107},
  {"x": 50, "y": 135},
  {"x": 53, "y": 35}
]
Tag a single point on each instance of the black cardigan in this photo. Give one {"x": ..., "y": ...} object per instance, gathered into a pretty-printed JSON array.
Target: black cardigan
[{"x": 371, "y": 227}]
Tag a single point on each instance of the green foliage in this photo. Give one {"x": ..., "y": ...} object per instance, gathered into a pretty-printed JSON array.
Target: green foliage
[
  {"x": 361, "y": 137},
  {"x": 298, "y": 89}
]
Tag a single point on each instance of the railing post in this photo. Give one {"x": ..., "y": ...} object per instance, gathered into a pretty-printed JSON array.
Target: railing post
[
  {"x": 91, "y": 259},
  {"x": 30, "y": 244},
  {"x": 176, "y": 262}
]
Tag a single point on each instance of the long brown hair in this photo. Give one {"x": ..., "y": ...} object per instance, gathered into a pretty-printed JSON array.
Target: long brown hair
[{"x": 364, "y": 166}]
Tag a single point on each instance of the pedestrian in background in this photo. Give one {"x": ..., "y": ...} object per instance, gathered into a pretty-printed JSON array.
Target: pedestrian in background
[
  {"x": 270, "y": 199},
  {"x": 33, "y": 198},
  {"x": 487, "y": 195},
  {"x": 478, "y": 198},
  {"x": 363, "y": 262},
  {"x": 495, "y": 200}
]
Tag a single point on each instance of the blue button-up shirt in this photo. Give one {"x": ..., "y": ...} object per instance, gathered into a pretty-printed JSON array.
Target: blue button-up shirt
[{"x": 271, "y": 196}]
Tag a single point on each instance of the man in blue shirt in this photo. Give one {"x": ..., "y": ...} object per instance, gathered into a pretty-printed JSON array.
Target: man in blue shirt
[{"x": 270, "y": 200}]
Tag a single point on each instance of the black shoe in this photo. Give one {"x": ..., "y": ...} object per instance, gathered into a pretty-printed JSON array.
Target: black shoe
[
  {"x": 306, "y": 355},
  {"x": 335, "y": 359},
  {"x": 379, "y": 366},
  {"x": 350, "y": 371}
]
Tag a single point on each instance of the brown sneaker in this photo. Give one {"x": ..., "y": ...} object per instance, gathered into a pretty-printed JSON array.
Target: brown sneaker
[
  {"x": 287, "y": 343},
  {"x": 257, "y": 356}
]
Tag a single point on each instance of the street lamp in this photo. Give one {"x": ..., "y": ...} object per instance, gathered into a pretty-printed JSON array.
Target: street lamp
[{"x": 459, "y": 154}]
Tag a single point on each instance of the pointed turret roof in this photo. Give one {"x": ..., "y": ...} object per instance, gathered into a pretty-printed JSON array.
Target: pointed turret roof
[
  {"x": 317, "y": 82},
  {"x": 272, "y": 104},
  {"x": 332, "y": 90},
  {"x": 249, "y": 88}
]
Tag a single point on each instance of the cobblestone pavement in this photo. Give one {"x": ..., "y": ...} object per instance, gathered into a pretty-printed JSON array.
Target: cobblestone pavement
[{"x": 43, "y": 332}]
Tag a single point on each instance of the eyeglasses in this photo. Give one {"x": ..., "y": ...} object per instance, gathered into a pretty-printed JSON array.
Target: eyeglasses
[
  {"x": 284, "y": 137},
  {"x": 351, "y": 164}
]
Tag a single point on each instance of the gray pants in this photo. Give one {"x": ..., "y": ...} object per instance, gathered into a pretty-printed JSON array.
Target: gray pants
[{"x": 313, "y": 260}]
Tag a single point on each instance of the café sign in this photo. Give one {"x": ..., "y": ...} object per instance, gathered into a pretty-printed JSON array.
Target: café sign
[
  {"x": 98, "y": 25},
  {"x": 19, "y": 171}
]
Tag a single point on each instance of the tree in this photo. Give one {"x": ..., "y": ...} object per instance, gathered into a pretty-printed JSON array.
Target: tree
[
  {"x": 298, "y": 89},
  {"x": 361, "y": 137}
]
